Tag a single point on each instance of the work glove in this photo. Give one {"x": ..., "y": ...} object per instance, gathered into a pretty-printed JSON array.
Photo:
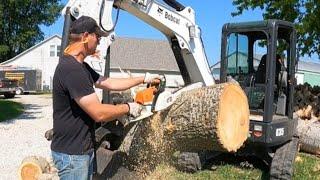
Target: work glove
[
  {"x": 134, "y": 111},
  {"x": 151, "y": 78}
]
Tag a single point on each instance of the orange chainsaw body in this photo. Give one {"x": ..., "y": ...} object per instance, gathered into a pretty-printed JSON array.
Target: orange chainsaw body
[{"x": 145, "y": 96}]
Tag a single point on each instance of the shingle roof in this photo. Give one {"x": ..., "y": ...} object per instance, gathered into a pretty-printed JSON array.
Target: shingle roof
[
  {"x": 142, "y": 54},
  {"x": 309, "y": 66},
  {"x": 132, "y": 53}
]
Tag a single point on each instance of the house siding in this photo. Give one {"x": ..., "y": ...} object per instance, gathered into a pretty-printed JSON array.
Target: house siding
[
  {"x": 312, "y": 78},
  {"x": 39, "y": 58}
]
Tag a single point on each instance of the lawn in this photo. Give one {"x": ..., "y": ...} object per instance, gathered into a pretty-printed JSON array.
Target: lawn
[
  {"x": 306, "y": 167},
  {"x": 9, "y": 109}
]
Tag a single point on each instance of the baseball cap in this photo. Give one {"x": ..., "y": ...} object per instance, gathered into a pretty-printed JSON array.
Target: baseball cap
[{"x": 86, "y": 24}]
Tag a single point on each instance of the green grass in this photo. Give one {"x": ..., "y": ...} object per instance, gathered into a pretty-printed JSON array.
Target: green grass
[
  {"x": 306, "y": 167},
  {"x": 9, "y": 110}
]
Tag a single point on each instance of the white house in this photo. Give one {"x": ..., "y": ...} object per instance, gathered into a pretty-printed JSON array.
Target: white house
[
  {"x": 43, "y": 56},
  {"x": 135, "y": 55}
]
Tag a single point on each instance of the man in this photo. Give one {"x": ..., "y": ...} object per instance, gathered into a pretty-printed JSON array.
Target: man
[
  {"x": 76, "y": 106},
  {"x": 261, "y": 71}
]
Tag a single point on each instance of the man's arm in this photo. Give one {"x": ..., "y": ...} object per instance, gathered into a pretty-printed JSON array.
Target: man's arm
[
  {"x": 118, "y": 84},
  {"x": 101, "y": 112}
]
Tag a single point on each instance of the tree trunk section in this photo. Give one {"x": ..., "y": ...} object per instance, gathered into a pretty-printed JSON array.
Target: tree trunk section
[
  {"x": 309, "y": 133},
  {"x": 208, "y": 118},
  {"x": 32, "y": 167}
]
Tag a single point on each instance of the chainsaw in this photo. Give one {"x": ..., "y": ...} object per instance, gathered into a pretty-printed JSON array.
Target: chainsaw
[{"x": 156, "y": 98}]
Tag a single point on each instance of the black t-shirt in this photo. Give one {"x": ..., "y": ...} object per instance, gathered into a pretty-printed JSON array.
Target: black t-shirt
[{"x": 73, "y": 128}]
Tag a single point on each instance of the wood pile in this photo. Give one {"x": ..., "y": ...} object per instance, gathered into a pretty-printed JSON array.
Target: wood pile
[
  {"x": 307, "y": 108},
  {"x": 307, "y": 101}
]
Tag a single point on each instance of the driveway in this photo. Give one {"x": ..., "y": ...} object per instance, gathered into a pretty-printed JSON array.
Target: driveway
[{"x": 24, "y": 136}]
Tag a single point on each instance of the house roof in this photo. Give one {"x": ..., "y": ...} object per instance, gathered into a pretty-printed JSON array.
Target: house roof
[
  {"x": 142, "y": 54},
  {"x": 309, "y": 66},
  {"x": 132, "y": 53},
  {"x": 30, "y": 49}
]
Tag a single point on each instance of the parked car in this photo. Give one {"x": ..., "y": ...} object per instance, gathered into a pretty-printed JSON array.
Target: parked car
[{"x": 8, "y": 87}]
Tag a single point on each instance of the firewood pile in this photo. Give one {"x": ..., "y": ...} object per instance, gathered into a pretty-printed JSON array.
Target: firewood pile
[
  {"x": 307, "y": 101},
  {"x": 307, "y": 108}
]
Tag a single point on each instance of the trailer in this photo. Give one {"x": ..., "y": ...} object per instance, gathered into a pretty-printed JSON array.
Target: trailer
[{"x": 29, "y": 80}]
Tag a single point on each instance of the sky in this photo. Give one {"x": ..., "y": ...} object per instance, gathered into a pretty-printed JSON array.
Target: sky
[{"x": 210, "y": 17}]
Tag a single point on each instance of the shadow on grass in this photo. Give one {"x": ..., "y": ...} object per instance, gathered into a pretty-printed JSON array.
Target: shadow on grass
[
  {"x": 242, "y": 162},
  {"x": 17, "y": 112}
]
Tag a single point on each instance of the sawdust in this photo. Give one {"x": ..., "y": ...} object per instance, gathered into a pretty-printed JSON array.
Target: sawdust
[
  {"x": 316, "y": 168},
  {"x": 153, "y": 146},
  {"x": 170, "y": 127},
  {"x": 161, "y": 173},
  {"x": 298, "y": 159}
]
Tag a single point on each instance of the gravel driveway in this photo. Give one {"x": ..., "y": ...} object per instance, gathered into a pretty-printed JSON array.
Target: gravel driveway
[{"x": 24, "y": 136}]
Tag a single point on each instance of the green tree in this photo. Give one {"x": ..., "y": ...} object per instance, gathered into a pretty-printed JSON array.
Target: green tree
[
  {"x": 304, "y": 13},
  {"x": 20, "y": 22}
]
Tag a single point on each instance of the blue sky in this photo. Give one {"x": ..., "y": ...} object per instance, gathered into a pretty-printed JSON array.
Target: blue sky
[{"x": 210, "y": 17}]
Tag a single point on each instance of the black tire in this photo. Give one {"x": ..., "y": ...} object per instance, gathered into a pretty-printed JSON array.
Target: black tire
[
  {"x": 19, "y": 91},
  {"x": 188, "y": 162},
  {"x": 283, "y": 160},
  {"x": 9, "y": 95}
]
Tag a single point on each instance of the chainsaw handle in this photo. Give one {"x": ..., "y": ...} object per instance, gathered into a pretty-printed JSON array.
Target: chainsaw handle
[{"x": 160, "y": 88}]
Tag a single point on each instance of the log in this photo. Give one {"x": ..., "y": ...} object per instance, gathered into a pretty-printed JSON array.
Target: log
[
  {"x": 309, "y": 132},
  {"x": 32, "y": 167},
  {"x": 208, "y": 118}
]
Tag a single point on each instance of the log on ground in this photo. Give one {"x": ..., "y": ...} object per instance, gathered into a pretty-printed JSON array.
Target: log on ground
[
  {"x": 32, "y": 167},
  {"x": 309, "y": 133}
]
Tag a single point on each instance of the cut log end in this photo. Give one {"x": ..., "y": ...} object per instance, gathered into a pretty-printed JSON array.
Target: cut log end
[
  {"x": 29, "y": 171},
  {"x": 32, "y": 167},
  {"x": 233, "y": 118}
]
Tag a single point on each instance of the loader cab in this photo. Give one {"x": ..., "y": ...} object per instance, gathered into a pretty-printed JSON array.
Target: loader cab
[{"x": 261, "y": 57}]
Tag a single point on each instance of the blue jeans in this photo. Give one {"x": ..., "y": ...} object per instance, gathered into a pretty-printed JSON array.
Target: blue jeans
[{"x": 73, "y": 167}]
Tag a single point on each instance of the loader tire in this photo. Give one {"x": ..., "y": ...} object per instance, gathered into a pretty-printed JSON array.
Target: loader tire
[
  {"x": 188, "y": 162},
  {"x": 283, "y": 160}
]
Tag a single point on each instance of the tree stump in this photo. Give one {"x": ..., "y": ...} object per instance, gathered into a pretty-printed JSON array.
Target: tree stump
[
  {"x": 208, "y": 118},
  {"x": 32, "y": 167}
]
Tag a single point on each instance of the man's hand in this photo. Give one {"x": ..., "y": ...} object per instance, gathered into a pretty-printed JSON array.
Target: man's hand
[
  {"x": 134, "y": 111},
  {"x": 151, "y": 78}
]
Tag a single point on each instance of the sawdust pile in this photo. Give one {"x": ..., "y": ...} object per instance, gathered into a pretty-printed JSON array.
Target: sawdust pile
[{"x": 150, "y": 145}]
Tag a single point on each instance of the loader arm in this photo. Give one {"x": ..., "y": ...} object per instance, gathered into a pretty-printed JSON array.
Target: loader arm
[{"x": 174, "y": 20}]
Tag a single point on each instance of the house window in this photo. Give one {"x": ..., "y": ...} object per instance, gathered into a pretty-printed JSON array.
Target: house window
[
  {"x": 52, "y": 50},
  {"x": 58, "y": 50},
  {"x": 55, "y": 50}
]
